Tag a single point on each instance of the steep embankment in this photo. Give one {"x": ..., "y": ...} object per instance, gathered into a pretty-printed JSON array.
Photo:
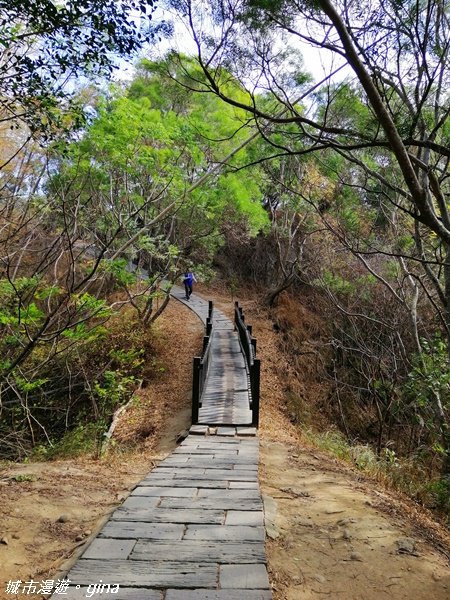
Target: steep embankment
[{"x": 331, "y": 532}]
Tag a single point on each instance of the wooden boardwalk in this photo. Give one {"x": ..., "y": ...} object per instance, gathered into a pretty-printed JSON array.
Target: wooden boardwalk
[{"x": 193, "y": 529}]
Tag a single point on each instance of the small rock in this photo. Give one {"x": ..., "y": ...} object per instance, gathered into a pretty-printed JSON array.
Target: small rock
[
  {"x": 182, "y": 436},
  {"x": 87, "y": 532},
  {"x": 15, "y": 536},
  {"x": 346, "y": 535},
  {"x": 333, "y": 511},
  {"x": 4, "y": 540},
  {"x": 63, "y": 518},
  {"x": 320, "y": 578},
  {"x": 406, "y": 545},
  {"x": 79, "y": 538},
  {"x": 356, "y": 556},
  {"x": 436, "y": 576},
  {"x": 272, "y": 532},
  {"x": 347, "y": 521},
  {"x": 368, "y": 503}
]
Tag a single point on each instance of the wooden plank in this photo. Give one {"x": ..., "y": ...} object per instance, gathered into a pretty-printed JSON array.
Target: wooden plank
[
  {"x": 200, "y": 551},
  {"x": 143, "y": 574}
]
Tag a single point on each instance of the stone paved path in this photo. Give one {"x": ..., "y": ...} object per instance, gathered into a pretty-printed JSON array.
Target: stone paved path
[{"x": 193, "y": 529}]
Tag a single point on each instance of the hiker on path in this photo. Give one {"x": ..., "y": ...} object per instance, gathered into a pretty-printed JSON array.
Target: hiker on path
[{"x": 188, "y": 280}]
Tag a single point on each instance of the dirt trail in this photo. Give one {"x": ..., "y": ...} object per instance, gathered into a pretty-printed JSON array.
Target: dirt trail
[{"x": 331, "y": 534}]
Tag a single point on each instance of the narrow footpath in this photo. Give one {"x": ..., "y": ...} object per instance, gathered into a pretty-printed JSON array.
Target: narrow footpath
[{"x": 193, "y": 529}]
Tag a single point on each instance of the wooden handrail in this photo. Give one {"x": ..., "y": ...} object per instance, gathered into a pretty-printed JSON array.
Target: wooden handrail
[
  {"x": 248, "y": 345},
  {"x": 201, "y": 366}
]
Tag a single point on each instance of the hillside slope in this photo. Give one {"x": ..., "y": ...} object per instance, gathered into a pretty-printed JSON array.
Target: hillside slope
[{"x": 331, "y": 532}]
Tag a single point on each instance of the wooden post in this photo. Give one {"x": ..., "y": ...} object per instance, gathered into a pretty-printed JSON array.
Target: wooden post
[
  {"x": 195, "y": 389},
  {"x": 208, "y": 327},
  {"x": 255, "y": 385},
  {"x": 210, "y": 309}
]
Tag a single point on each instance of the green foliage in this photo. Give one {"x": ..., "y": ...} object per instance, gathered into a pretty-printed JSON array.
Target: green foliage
[
  {"x": 22, "y": 477},
  {"x": 430, "y": 374},
  {"x": 118, "y": 268},
  {"x": 113, "y": 390},
  {"x": 130, "y": 359},
  {"x": 336, "y": 283},
  {"x": 439, "y": 492},
  {"x": 82, "y": 439},
  {"x": 76, "y": 38}
]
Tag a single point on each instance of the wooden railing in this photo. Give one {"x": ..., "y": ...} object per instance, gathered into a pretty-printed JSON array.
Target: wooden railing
[
  {"x": 201, "y": 365},
  {"x": 248, "y": 345}
]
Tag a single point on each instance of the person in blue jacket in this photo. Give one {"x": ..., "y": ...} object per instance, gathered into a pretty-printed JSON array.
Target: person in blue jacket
[{"x": 188, "y": 280}]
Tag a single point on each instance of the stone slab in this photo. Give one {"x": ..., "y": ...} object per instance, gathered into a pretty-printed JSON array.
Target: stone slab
[
  {"x": 216, "y": 463},
  {"x": 140, "y": 502},
  {"x": 200, "y": 551},
  {"x": 219, "y": 441},
  {"x": 218, "y": 595},
  {"x": 236, "y": 494},
  {"x": 230, "y": 474},
  {"x": 226, "y": 533},
  {"x": 206, "y": 450},
  {"x": 226, "y": 431},
  {"x": 151, "y": 531},
  {"x": 245, "y": 517},
  {"x": 211, "y": 504},
  {"x": 189, "y": 483},
  {"x": 123, "y": 593},
  {"x": 242, "y": 577},
  {"x": 244, "y": 485},
  {"x": 107, "y": 549},
  {"x": 246, "y": 431},
  {"x": 160, "y": 474},
  {"x": 170, "y": 515},
  {"x": 199, "y": 429},
  {"x": 135, "y": 573},
  {"x": 157, "y": 490},
  {"x": 188, "y": 471}
]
